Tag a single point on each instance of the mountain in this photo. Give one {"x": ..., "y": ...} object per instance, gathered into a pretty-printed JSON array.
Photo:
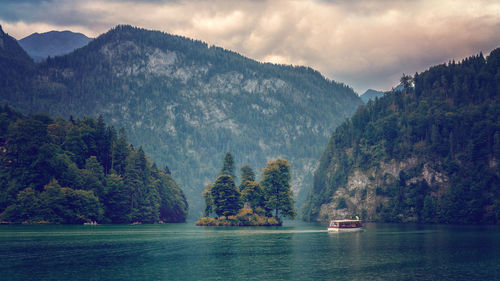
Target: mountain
[
  {"x": 53, "y": 43},
  {"x": 371, "y": 94},
  {"x": 188, "y": 104},
  {"x": 429, "y": 152},
  {"x": 16, "y": 67}
]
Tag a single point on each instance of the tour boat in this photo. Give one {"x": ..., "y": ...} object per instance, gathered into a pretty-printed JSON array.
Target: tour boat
[{"x": 345, "y": 225}]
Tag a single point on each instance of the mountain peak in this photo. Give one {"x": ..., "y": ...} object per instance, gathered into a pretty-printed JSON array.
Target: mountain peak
[
  {"x": 371, "y": 94},
  {"x": 10, "y": 49},
  {"x": 53, "y": 43}
]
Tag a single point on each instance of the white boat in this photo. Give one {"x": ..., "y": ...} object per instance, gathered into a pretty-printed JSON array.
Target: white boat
[{"x": 345, "y": 225}]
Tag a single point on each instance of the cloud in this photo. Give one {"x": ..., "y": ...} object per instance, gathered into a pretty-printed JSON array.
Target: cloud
[{"x": 364, "y": 43}]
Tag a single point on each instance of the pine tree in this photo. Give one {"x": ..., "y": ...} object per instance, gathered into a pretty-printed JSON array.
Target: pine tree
[
  {"x": 247, "y": 173},
  {"x": 228, "y": 166},
  {"x": 120, "y": 153},
  {"x": 207, "y": 196},
  {"x": 276, "y": 184},
  {"x": 133, "y": 180},
  {"x": 226, "y": 197},
  {"x": 253, "y": 194}
]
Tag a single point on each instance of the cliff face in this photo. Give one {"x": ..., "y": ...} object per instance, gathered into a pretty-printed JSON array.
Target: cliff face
[{"x": 365, "y": 191}]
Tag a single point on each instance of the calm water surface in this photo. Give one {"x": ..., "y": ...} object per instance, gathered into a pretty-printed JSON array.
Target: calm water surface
[{"x": 297, "y": 251}]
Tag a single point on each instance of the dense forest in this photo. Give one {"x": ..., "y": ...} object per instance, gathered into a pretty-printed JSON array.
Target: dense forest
[
  {"x": 187, "y": 103},
  {"x": 253, "y": 203},
  {"x": 77, "y": 171},
  {"x": 429, "y": 152}
]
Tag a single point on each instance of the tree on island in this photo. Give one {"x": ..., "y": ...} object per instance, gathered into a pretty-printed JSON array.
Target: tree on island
[
  {"x": 209, "y": 202},
  {"x": 276, "y": 184},
  {"x": 273, "y": 193},
  {"x": 225, "y": 196},
  {"x": 251, "y": 191},
  {"x": 253, "y": 194},
  {"x": 247, "y": 174},
  {"x": 228, "y": 166}
]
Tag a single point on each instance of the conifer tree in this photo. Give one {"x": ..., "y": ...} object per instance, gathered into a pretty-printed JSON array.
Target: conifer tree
[
  {"x": 120, "y": 152},
  {"x": 207, "y": 196},
  {"x": 276, "y": 184},
  {"x": 228, "y": 166},
  {"x": 225, "y": 196},
  {"x": 253, "y": 194},
  {"x": 247, "y": 173}
]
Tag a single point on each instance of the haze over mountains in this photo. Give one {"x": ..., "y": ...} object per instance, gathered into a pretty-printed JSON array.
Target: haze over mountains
[
  {"x": 53, "y": 43},
  {"x": 185, "y": 102},
  {"x": 371, "y": 94}
]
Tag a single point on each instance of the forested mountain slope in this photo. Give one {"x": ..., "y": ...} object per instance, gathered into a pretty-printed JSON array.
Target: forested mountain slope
[
  {"x": 188, "y": 103},
  {"x": 427, "y": 153}
]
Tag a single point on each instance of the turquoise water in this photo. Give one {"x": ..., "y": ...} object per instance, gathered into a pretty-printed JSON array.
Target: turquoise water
[{"x": 296, "y": 251}]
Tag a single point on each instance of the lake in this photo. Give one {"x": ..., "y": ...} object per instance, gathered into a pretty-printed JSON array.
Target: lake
[{"x": 296, "y": 251}]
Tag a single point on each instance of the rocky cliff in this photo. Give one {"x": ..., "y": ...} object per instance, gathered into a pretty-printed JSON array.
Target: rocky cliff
[{"x": 365, "y": 191}]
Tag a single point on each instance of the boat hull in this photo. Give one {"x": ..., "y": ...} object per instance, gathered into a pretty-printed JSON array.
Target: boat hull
[{"x": 336, "y": 229}]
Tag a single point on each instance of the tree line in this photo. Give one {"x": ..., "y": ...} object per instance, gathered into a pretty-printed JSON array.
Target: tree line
[{"x": 76, "y": 171}]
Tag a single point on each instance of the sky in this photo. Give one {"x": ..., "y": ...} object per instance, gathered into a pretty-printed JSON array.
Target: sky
[{"x": 362, "y": 43}]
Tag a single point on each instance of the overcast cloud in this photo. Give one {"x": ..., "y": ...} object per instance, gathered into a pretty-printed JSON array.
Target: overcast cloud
[{"x": 363, "y": 43}]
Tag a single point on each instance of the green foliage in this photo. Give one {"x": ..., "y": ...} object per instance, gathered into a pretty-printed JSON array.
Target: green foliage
[
  {"x": 225, "y": 200},
  {"x": 245, "y": 217},
  {"x": 247, "y": 174},
  {"x": 225, "y": 196},
  {"x": 209, "y": 202},
  {"x": 253, "y": 194},
  {"x": 276, "y": 184},
  {"x": 187, "y": 103},
  {"x": 446, "y": 117},
  {"x": 228, "y": 166},
  {"x": 55, "y": 204},
  {"x": 58, "y": 171}
]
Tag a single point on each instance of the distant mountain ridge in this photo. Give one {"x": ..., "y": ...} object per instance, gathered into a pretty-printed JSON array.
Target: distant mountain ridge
[
  {"x": 371, "y": 94},
  {"x": 53, "y": 43},
  {"x": 188, "y": 103}
]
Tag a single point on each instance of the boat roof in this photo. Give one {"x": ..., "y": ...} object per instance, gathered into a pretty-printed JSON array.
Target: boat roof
[{"x": 345, "y": 220}]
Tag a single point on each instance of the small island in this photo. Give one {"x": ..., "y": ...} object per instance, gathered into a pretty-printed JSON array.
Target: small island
[{"x": 252, "y": 203}]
